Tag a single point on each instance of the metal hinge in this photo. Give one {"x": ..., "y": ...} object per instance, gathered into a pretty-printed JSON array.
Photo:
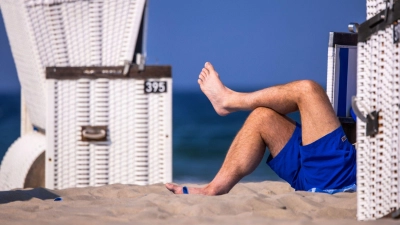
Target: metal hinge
[
  {"x": 140, "y": 61},
  {"x": 371, "y": 119},
  {"x": 381, "y": 21}
]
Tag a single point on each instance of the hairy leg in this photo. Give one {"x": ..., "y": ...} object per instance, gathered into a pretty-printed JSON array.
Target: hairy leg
[
  {"x": 265, "y": 126},
  {"x": 317, "y": 115},
  {"x": 247, "y": 149}
]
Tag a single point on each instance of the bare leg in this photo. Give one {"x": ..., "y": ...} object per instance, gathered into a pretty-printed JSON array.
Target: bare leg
[
  {"x": 317, "y": 115},
  {"x": 247, "y": 150}
]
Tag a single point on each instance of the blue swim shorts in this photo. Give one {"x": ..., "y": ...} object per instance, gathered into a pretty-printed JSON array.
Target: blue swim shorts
[{"x": 328, "y": 163}]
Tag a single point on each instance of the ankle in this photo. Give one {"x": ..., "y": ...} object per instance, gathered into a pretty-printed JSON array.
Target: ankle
[{"x": 229, "y": 99}]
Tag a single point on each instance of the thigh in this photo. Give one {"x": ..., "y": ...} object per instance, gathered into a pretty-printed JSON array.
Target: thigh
[
  {"x": 287, "y": 163},
  {"x": 317, "y": 115},
  {"x": 275, "y": 129}
]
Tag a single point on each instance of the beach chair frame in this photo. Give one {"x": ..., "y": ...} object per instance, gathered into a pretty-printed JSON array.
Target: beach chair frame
[{"x": 378, "y": 154}]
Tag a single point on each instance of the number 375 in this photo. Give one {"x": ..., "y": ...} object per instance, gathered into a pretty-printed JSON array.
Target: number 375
[{"x": 155, "y": 86}]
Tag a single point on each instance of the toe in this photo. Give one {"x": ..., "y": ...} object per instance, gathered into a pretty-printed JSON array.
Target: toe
[
  {"x": 209, "y": 66},
  {"x": 174, "y": 188},
  {"x": 200, "y": 80},
  {"x": 205, "y": 71}
]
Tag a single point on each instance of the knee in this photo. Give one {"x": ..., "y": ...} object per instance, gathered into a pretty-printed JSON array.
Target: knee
[
  {"x": 308, "y": 87},
  {"x": 261, "y": 114}
]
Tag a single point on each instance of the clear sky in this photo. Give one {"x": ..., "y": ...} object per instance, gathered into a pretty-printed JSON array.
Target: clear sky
[{"x": 252, "y": 43}]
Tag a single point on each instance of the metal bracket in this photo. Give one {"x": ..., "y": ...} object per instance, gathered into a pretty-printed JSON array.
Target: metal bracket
[
  {"x": 380, "y": 21},
  {"x": 372, "y": 123},
  {"x": 396, "y": 33},
  {"x": 372, "y": 118},
  {"x": 140, "y": 61}
]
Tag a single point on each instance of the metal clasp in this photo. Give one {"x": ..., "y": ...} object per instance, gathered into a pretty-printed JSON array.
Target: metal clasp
[{"x": 372, "y": 118}]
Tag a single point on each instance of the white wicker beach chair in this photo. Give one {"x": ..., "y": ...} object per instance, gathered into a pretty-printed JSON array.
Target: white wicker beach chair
[
  {"x": 101, "y": 124},
  {"x": 378, "y": 88}
]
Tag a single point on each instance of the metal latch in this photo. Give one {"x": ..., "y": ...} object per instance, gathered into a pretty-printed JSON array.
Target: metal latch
[
  {"x": 372, "y": 123},
  {"x": 372, "y": 118},
  {"x": 389, "y": 16},
  {"x": 396, "y": 33}
]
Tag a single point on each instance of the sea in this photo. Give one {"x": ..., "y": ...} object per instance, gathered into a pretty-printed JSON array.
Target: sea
[{"x": 201, "y": 138}]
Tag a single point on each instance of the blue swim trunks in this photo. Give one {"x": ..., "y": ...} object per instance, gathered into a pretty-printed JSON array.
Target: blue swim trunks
[{"x": 328, "y": 163}]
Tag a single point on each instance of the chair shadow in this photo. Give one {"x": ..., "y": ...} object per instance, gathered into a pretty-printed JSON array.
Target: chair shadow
[{"x": 26, "y": 195}]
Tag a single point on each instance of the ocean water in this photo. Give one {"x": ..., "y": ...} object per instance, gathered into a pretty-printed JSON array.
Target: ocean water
[
  {"x": 9, "y": 120},
  {"x": 201, "y": 138}
]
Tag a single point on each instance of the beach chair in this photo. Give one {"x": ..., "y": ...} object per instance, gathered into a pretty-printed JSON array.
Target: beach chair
[
  {"x": 89, "y": 102},
  {"x": 378, "y": 100},
  {"x": 341, "y": 82}
]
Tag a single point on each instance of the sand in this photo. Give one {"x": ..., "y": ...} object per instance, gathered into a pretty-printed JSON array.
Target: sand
[{"x": 247, "y": 203}]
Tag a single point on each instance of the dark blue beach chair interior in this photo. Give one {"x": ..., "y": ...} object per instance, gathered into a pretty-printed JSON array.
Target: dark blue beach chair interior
[{"x": 346, "y": 79}]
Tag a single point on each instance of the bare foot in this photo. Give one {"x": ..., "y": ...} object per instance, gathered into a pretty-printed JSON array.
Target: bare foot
[
  {"x": 215, "y": 91},
  {"x": 176, "y": 189}
]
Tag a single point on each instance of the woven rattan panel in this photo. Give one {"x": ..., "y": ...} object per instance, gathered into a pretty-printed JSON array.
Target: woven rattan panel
[
  {"x": 46, "y": 33},
  {"x": 138, "y": 145},
  {"x": 378, "y": 156}
]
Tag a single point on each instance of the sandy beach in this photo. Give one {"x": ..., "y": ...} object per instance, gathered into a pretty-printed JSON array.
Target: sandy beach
[{"x": 247, "y": 203}]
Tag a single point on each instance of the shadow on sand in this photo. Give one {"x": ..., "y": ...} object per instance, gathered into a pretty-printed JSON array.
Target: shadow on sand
[{"x": 25, "y": 195}]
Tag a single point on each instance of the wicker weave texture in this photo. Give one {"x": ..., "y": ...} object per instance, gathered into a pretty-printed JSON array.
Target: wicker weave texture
[
  {"x": 138, "y": 149},
  {"x": 374, "y": 7},
  {"x": 378, "y": 156},
  {"x": 18, "y": 160},
  {"x": 26, "y": 57},
  {"x": 46, "y": 33}
]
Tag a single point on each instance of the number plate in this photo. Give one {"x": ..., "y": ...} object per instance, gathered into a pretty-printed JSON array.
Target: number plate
[{"x": 155, "y": 86}]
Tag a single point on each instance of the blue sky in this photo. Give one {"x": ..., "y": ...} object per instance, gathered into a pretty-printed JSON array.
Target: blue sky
[{"x": 252, "y": 44}]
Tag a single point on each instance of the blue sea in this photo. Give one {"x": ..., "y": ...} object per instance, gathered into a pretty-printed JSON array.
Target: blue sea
[{"x": 201, "y": 138}]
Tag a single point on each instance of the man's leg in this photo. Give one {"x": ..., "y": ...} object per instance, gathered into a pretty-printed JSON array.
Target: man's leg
[
  {"x": 317, "y": 115},
  {"x": 247, "y": 149}
]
